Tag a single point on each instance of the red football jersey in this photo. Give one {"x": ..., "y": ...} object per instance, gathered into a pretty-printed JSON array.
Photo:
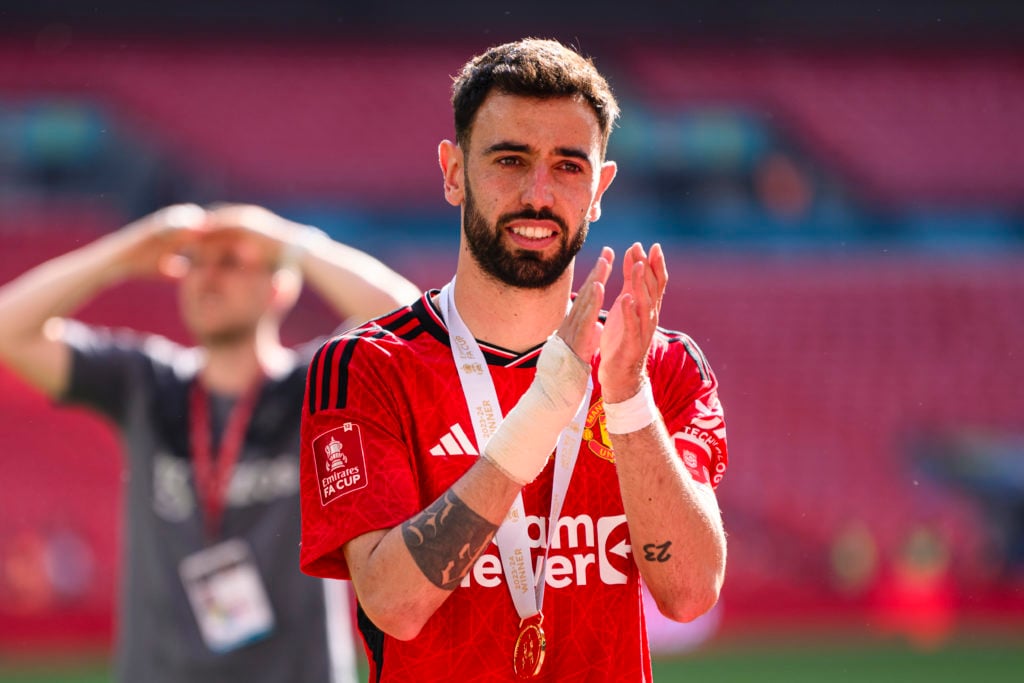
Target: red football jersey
[{"x": 386, "y": 431}]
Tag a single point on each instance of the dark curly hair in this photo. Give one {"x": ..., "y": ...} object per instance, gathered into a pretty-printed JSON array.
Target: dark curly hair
[{"x": 531, "y": 67}]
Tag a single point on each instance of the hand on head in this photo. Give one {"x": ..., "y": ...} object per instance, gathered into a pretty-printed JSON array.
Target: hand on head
[
  {"x": 248, "y": 219},
  {"x": 159, "y": 238},
  {"x": 164, "y": 236},
  {"x": 265, "y": 230}
]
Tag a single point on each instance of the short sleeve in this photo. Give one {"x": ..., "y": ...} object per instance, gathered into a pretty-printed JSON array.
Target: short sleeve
[
  {"x": 356, "y": 470},
  {"x": 102, "y": 365},
  {"x": 686, "y": 392}
]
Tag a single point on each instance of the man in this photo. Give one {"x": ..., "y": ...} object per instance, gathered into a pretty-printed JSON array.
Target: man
[
  {"x": 211, "y": 590},
  {"x": 475, "y": 556}
]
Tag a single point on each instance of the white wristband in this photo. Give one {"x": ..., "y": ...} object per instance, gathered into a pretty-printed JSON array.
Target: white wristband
[
  {"x": 632, "y": 414},
  {"x": 529, "y": 433}
]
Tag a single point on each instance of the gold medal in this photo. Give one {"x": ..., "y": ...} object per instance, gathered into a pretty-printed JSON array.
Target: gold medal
[{"x": 528, "y": 655}]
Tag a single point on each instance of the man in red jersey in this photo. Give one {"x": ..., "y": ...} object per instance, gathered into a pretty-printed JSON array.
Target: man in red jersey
[{"x": 428, "y": 435}]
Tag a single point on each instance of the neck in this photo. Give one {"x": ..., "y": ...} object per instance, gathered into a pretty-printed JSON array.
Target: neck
[
  {"x": 512, "y": 318},
  {"x": 230, "y": 368}
]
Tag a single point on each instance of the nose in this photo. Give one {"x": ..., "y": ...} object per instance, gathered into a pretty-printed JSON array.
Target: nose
[
  {"x": 537, "y": 189},
  {"x": 205, "y": 274},
  {"x": 202, "y": 269}
]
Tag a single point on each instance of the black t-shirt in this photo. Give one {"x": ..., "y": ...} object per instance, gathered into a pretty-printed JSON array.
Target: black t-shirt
[{"x": 142, "y": 384}]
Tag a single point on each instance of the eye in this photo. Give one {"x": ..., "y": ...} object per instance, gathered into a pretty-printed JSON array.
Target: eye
[
  {"x": 509, "y": 161},
  {"x": 571, "y": 167}
]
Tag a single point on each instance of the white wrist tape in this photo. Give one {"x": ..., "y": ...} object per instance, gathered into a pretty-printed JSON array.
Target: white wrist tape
[
  {"x": 632, "y": 414},
  {"x": 522, "y": 444}
]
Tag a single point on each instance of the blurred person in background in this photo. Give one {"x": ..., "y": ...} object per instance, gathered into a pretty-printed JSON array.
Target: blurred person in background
[
  {"x": 211, "y": 589},
  {"x": 394, "y": 494}
]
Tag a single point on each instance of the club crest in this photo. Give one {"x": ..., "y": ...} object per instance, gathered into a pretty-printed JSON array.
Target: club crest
[{"x": 595, "y": 434}]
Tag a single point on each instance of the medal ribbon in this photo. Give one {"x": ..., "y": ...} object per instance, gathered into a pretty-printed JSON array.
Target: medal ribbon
[
  {"x": 212, "y": 476},
  {"x": 526, "y": 588}
]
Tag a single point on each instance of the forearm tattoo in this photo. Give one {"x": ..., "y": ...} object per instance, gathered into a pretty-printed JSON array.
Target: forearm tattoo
[
  {"x": 657, "y": 553},
  {"x": 445, "y": 540}
]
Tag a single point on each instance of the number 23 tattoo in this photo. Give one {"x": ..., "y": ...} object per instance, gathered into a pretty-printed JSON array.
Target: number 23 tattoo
[{"x": 654, "y": 552}]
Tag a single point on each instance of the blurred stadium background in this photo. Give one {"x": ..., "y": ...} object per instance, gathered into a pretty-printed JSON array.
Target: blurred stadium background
[{"x": 840, "y": 188}]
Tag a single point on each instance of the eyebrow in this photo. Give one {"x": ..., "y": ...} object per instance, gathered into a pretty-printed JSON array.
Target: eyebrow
[{"x": 506, "y": 146}]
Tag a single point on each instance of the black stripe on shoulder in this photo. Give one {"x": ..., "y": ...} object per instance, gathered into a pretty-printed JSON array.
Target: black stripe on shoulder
[
  {"x": 328, "y": 370},
  {"x": 326, "y": 364},
  {"x": 346, "y": 357},
  {"x": 372, "y": 330},
  {"x": 413, "y": 333},
  {"x": 331, "y": 362},
  {"x": 320, "y": 374},
  {"x": 314, "y": 373},
  {"x": 395, "y": 323},
  {"x": 388, "y": 318},
  {"x": 692, "y": 349}
]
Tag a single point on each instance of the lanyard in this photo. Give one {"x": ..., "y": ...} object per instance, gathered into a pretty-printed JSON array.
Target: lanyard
[
  {"x": 212, "y": 475},
  {"x": 526, "y": 587}
]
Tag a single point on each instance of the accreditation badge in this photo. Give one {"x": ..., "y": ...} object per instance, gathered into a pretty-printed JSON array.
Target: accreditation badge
[{"x": 227, "y": 595}]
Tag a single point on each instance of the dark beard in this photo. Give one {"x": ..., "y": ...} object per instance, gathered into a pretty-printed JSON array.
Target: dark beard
[{"x": 520, "y": 268}]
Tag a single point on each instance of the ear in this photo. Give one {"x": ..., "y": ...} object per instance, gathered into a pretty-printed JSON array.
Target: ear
[
  {"x": 607, "y": 175},
  {"x": 449, "y": 155}
]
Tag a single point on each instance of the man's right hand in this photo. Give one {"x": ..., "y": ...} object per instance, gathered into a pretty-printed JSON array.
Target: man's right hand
[
  {"x": 157, "y": 240},
  {"x": 581, "y": 329},
  {"x": 274, "y": 235}
]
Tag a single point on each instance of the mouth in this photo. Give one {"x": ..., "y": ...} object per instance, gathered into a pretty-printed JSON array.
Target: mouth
[
  {"x": 533, "y": 234},
  {"x": 208, "y": 301}
]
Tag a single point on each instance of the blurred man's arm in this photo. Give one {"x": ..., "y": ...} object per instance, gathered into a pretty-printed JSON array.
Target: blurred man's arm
[
  {"x": 31, "y": 305},
  {"x": 353, "y": 283}
]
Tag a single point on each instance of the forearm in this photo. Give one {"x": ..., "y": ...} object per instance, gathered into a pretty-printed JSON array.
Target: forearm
[
  {"x": 675, "y": 525},
  {"x": 58, "y": 286},
  {"x": 413, "y": 568},
  {"x": 353, "y": 283},
  {"x": 48, "y": 291}
]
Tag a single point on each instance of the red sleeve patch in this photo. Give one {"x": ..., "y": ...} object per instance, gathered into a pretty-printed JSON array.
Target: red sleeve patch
[
  {"x": 697, "y": 460},
  {"x": 701, "y": 443},
  {"x": 340, "y": 464}
]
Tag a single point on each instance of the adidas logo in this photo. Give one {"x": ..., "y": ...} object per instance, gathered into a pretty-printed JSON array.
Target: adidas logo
[{"x": 455, "y": 442}]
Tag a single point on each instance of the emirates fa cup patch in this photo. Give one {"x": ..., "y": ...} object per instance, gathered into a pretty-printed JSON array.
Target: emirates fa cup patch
[{"x": 340, "y": 464}]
